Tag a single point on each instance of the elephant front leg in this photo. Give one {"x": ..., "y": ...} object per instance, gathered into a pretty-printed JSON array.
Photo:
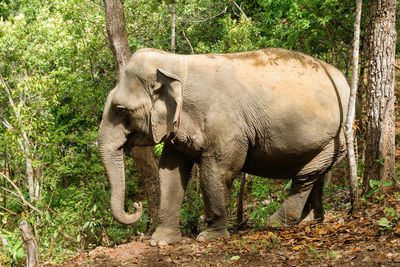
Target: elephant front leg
[
  {"x": 174, "y": 171},
  {"x": 214, "y": 183}
]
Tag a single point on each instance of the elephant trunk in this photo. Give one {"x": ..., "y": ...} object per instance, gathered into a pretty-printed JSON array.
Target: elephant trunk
[{"x": 111, "y": 140}]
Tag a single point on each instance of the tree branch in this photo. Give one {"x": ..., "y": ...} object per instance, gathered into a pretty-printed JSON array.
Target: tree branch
[
  {"x": 240, "y": 9},
  {"x": 96, "y": 4},
  {"x": 206, "y": 19},
  {"x": 17, "y": 200},
  {"x": 26, "y": 203},
  {"x": 187, "y": 40},
  {"x": 5, "y": 123},
  {"x": 9, "y": 191},
  {"x": 21, "y": 145},
  {"x": 93, "y": 22},
  {"x": 8, "y": 92},
  {"x": 9, "y": 211},
  {"x": 344, "y": 27}
]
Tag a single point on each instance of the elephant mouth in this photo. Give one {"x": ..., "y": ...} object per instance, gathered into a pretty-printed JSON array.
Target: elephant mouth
[
  {"x": 135, "y": 138},
  {"x": 130, "y": 141}
]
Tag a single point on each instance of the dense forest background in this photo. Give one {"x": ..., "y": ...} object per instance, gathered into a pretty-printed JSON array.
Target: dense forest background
[{"x": 56, "y": 69}]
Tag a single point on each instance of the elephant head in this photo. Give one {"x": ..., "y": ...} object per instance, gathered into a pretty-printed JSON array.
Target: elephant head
[{"x": 141, "y": 110}]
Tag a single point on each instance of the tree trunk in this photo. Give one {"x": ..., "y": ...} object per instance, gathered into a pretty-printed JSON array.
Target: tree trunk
[
  {"x": 173, "y": 26},
  {"x": 240, "y": 222},
  {"x": 361, "y": 84},
  {"x": 32, "y": 254},
  {"x": 33, "y": 185},
  {"x": 354, "y": 189},
  {"x": 380, "y": 134},
  {"x": 147, "y": 168},
  {"x": 143, "y": 157},
  {"x": 116, "y": 30}
]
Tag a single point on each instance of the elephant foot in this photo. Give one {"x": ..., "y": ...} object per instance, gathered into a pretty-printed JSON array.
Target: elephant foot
[
  {"x": 209, "y": 235},
  {"x": 274, "y": 222},
  {"x": 315, "y": 216},
  {"x": 281, "y": 218},
  {"x": 165, "y": 236}
]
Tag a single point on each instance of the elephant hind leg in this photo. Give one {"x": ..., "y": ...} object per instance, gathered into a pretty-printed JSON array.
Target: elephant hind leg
[
  {"x": 314, "y": 202},
  {"x": 292, "y": 209},
  {"x": 306, "y": 192}
]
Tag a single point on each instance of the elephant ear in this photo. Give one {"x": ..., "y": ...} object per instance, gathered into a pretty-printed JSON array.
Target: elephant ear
[{"x": 165, "y": 115}]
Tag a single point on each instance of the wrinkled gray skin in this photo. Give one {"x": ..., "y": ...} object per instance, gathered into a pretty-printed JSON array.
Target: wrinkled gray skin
[{"x": 272, "y": 113}]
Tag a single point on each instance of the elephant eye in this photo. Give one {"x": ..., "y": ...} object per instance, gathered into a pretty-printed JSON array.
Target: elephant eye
[
  {"x": 157, "y": 88},
  {"x": 121, "y": 108}
]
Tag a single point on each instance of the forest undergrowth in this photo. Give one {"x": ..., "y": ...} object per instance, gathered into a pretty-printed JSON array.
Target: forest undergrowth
[{"x": 371, "y": 237}]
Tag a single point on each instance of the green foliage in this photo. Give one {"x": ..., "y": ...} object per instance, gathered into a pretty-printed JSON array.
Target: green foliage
[
  {"x": 158, "y": 149},
  {"x": 192, "y": 208},
  {"x": 391, "y": 219},
  {"x": 15, "y": 247},
  {"x": 55, "y": 60},
  {"x": 376, "y": 186},
  {"x": 320, "y": 28},
  {"x": 314, "y": 251},
  {"x": 269, "y": 194},
  {"x": 259, "y": 217}
]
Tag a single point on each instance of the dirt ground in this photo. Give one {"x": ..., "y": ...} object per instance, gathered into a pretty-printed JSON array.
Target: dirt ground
[{"x": 339, "y": 241}]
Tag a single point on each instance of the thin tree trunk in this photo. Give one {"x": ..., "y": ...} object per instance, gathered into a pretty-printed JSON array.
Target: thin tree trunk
[
  {"x": 333, "y": 49},
  {"x": 328, "y": 179},
  {"x": 147, "y": 168},
  {"x": 361, "y": 84},
  {"x": 173, "y": 26},
  {"x": 354, "y": 190},
  {"x": 380, "y": 134},
  {"x": 240, "y": 200},
  {"x": 33, "y": 195},
  {"x": 143, "y": 157},
  {"x": 32, "y": 255}
]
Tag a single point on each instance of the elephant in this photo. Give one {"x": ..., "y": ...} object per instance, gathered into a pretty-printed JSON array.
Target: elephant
[{"x": 273, "y": 113}]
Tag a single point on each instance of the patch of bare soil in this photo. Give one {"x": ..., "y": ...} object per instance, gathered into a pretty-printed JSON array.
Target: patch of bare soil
[{"x": 339, "y": 241}]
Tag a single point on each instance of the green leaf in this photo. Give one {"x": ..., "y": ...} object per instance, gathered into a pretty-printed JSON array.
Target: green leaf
[
  {"x": 234, "y": 258},
  {"x": 374, "y": 183},
  {"x": 387, "y": 183},
  {"x": 392, "y": 212},
  {"x": 20, "y": 253},
  {"x": 371, "y": 192},
  {"x": 384, "y": 222}
]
